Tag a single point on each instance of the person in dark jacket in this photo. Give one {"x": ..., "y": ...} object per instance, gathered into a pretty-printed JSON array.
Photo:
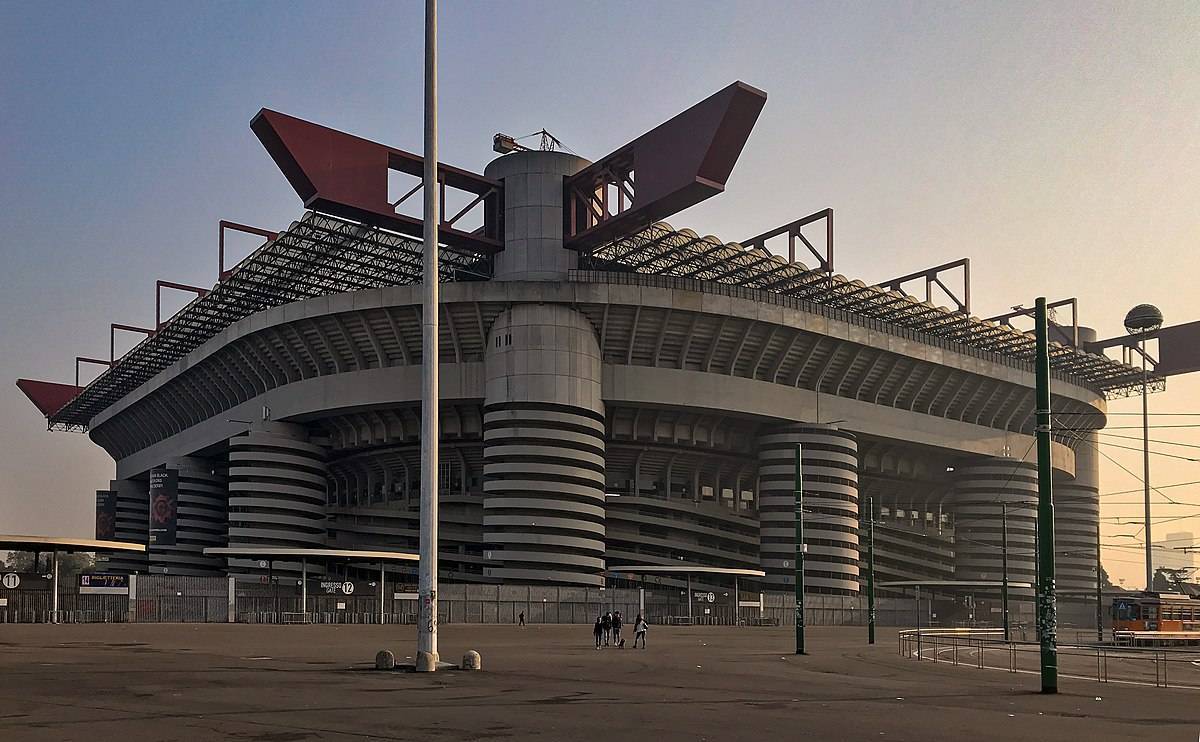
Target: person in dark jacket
[
  {"x": 606, "y": 626},
  {"x": 598, "y": 631},
  {"x": 616, "y": 628}
]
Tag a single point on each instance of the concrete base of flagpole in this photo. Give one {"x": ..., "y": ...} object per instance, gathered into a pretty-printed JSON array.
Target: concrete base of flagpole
[{"x": 428, "y": 662}]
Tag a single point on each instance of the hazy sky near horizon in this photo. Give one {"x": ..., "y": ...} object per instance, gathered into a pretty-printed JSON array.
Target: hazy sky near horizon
[{"x": 1055, "y": 144}]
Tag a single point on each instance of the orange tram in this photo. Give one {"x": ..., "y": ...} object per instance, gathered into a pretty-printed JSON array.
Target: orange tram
[{"x": 1156, "y": 619}]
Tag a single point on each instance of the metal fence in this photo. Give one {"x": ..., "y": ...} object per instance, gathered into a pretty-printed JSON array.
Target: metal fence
[{"x": 183, "y": 599}]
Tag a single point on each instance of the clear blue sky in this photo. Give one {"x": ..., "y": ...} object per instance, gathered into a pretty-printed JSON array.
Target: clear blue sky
[{"x": 1054, "y": 144}]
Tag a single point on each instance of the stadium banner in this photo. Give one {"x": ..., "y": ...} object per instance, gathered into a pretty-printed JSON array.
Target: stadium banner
[
  {"x": 106, "y": 515},
  {"x": 103, "y": 584},
  {"x": 164, "y": 506}
]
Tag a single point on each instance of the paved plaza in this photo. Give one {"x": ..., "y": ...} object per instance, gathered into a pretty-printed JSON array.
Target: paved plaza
[{"x": 132, "y": 682}]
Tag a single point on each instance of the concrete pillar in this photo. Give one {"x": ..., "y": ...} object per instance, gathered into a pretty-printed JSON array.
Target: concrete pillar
[
  {"x": 543, "y": 455},
  {"x": 133, "y": 524},
  {"x": 201, "y": 521},
  {"x": 1076, "y": 518},
  {"x": 533, "y": 215},
  {"x": 979, "y": 489},
  {"x": 830, "y": 467},
  {"x": 277, "y": 491}
]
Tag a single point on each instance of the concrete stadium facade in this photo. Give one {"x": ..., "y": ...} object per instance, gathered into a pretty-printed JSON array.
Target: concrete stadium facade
[{"x": 597, "y": 419}]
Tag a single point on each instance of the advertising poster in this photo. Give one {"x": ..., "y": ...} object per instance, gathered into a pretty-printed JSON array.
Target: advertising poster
[
  {"x": 164, "y": 506},
  {"x": 106, "y": 515}
]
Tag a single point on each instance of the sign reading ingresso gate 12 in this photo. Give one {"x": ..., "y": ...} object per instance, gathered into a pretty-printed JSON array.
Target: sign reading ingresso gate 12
[{"x": 164, "y": 506}]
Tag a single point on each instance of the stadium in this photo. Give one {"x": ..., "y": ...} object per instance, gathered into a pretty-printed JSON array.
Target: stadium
[{"x": 617, "y": 393}]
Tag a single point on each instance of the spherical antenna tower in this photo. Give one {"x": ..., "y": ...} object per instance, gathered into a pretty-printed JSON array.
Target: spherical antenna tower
[{"x": 1142, "y": 319}]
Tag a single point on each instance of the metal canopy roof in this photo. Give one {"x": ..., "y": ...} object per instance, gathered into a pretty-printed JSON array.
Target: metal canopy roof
[
  {"x": 316, "y": 256},
  {"x": 321, "y": 255},
  {"x": 274, "y": 552},
  {"x": 694, "y": 569},
  {"x": 953, "y": 583},
  {"x": 54, "y": 543},
  {"x": 663, "y": 250}
]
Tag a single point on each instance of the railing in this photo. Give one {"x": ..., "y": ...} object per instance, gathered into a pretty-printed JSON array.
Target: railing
[
  {"x": 1104, "y": 663},
  {"x": 324, "y": 617}
]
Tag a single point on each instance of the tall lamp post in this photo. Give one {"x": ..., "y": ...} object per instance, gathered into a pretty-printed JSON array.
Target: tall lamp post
[
  {"x": 1143, "y": 320},
  {"x": 427, "y": 582},
  {"x": 870, "y": 570},
  {"x": 800, "y": 550},
  {"x": 1047, "y": 614}
]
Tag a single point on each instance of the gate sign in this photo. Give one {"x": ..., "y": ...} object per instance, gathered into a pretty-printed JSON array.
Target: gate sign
[
  {"x": 11, "y": 580},
  {"x": 164, "y": 506},
  {"x": 336, "y": 587},
  {"x": 106, "y": 515},
  {"x": 103, "y": 584}
]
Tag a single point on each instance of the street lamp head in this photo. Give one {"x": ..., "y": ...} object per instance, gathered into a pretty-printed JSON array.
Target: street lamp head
[{"x": 1143, "y": 318}]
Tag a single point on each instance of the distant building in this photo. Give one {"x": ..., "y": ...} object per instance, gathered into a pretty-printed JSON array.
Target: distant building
[{"x": 1169, "y": 553}]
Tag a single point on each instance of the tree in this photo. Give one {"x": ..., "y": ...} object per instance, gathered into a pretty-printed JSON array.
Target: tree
[{"x": 68, "y": 564}]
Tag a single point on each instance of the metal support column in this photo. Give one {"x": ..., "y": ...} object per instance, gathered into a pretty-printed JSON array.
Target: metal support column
[
  {"x": 1099, "y": 589},
  {"x": 689, "y": 591},
  {"x": 427, "y": 647},
  {"x": 1004, "y": 567},
  {"x": 737, "y": 603},
  {"x": 800, "y": 550},
  {"x": 1146, "y": 467},
  {"x": 1047, "y": 611},
  {"x": 304, "y": 589},
  {"x": 870, "y": 570},
  {"x": 54, "y": 600},
  {"x": 382, "y": 589}
]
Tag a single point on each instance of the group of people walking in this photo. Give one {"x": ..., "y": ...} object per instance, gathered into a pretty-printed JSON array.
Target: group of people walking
[{"x": 608, "y": 629}]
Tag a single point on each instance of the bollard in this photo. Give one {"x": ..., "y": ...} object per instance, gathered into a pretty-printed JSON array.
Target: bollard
[
  {"x": 472, "y": 661},
  {"x": 427, "y": 661},
  {"x": 385, "y": 660}
]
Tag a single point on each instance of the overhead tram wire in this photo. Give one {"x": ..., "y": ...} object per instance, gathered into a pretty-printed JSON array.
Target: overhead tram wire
[
  {"x": 1156, "y": 453},
  {"x": 1138, "y": 438},
  {"x": 1081, "y": 439}
]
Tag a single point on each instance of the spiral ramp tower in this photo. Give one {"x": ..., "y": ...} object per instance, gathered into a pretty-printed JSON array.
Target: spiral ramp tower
[
  {"x": 277, "y": 492},
  {"x": 830, "y": 470},
  {"x": 543, "y": 457}
]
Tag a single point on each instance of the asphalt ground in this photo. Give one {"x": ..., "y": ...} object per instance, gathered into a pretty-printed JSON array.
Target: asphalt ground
[{"x": 132, "y": 682}]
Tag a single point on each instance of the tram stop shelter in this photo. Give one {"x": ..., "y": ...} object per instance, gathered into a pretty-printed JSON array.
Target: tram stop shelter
[
  {"x": 57, "y": 545},
  {"x": 687, "y": 570},
  {"x": 916, "y": 585},
  {"x": 305, "y": 556}
]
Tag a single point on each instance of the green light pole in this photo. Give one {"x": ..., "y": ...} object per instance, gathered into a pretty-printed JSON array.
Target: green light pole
[
  {"x": 870, "y": 570},
  {"x": 1099, "y": 590},
  {"x": 800, "y": 549},
  {"x": 1004, "y": 563},
  {"x": 1046, "y": 609}
]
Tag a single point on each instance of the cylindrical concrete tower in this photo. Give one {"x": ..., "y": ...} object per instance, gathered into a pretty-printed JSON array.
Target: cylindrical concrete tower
[
  {"x": 981, "y": 490},
  {"x": 133, "y": 524},
  {"x": 277, "y": 491},
  {"x": 830, "y": 466},
  {"x": 1076, "y": 518},
  {"x": 201, "y": 521},
  {"x": 543, "y": 456},
  {"x": 533, "y": 215}
]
